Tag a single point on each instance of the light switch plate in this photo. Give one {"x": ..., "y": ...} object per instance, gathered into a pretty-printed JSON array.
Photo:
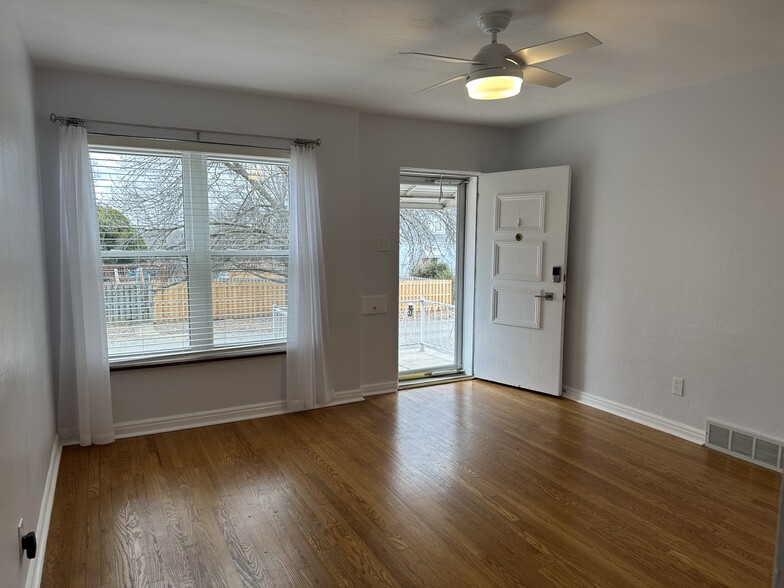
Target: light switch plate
[
  {"x": 383, "y": 244},
  {"x": 374, "y": 304}
]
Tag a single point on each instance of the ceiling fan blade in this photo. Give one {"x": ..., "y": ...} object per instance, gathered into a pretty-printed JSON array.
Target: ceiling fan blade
[
  {"x": 543, "y": 77},
  {"x": 444, "y": 83},
  {"x": 553, "y": 49},
  {"x": 441, "y": 57}
]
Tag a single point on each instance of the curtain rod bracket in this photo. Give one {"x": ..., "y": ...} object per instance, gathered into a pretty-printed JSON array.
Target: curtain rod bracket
[
  {"x": 66, "y": 120},
  {"x": 307, "y": 142}
]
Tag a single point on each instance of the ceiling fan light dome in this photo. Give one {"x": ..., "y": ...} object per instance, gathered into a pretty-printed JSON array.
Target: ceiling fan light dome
[{"x": 494, "y": 84}]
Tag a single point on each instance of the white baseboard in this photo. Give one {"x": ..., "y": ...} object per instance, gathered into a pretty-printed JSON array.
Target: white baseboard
[
  {"x": 36, "y": 569},
  {"x": 380, "y": 388},
  {"x": 638, "y": 416},
  {"x": 218, "y": 416},
  {"x": 198, "y": 419},
  {"x": 346, "y": 397}
]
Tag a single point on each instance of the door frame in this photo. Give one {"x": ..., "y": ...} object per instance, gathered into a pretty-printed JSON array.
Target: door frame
[{"x": 465, "y": 248}]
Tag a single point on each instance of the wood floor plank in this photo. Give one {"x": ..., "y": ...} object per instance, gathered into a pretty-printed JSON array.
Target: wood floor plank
[
  {"x": 93, "y": 537},
  {"x": 599, "y": 513},
  {"x": 59, "y": 564},
  {"x": 410, "y": 526},
  {"x": 335, "y": 542},
  {"x": 165, "y": 523},
  {"x": 209, "y": 556},
  {"x": 257, "y": 558},
  {"x": 468, "y": 484}
]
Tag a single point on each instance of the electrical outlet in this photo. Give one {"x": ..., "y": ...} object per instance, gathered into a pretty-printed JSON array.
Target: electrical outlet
[
  {"x": 677, "y": 386},
  {"x": 20, "y": 534}
]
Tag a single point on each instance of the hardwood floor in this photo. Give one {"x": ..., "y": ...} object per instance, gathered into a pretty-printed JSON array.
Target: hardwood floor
[{"x": 467, "y": 484}]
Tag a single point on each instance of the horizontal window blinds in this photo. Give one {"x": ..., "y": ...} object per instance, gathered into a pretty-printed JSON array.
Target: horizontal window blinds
[{"x": 194, "y": 249}]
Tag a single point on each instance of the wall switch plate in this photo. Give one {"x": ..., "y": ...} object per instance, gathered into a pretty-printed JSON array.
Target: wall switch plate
[
  {"x": 677, "y": 386},
  {"x": 383, "y": 244},
  {"x": 374, "y": 304}
]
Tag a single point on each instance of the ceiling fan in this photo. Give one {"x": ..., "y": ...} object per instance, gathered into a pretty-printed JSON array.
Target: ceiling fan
[{"x": 498, "y": 72}]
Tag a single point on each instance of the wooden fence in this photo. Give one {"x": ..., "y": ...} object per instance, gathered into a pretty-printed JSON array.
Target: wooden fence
[
  {"x": 435, "y": 290},
  {"x": 231, "y": 299}
]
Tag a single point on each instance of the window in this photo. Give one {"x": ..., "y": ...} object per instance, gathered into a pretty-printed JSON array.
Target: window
[{"x": 194, "y": 248}]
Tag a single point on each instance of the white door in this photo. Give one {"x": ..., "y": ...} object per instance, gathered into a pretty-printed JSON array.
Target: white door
[{"x": 522, "y": 226}]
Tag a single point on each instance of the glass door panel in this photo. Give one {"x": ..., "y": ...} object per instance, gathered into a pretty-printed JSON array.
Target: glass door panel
[{"x": 430, "y": 270}]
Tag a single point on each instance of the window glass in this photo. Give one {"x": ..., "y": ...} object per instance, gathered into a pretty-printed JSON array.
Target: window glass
[
  {"x": 249, "y": 204},
  {"x": 194, "y": 250}
]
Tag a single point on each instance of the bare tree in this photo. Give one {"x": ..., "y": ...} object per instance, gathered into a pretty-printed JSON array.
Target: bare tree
[
  {"x": 426, "y": 233},
  {"x": 246, "y": 206}
]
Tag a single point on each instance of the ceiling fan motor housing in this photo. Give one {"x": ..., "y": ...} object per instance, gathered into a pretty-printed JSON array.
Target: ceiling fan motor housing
[{"x": 493, "y": 62}]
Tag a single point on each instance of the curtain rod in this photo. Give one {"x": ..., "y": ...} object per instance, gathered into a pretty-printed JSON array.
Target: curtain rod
[{"x": 72, "y": 120}]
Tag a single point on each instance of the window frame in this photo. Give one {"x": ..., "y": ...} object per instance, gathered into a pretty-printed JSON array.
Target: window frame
[{"x": 197, "y": 251}]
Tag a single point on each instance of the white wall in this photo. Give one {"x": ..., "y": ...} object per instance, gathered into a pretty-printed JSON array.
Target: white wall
[
  {"x": 675, "y": 257},
  {"x": 386, "y": 145},
  {"x": 26, "y": 399},
  {"x": 359, "y": 160}
]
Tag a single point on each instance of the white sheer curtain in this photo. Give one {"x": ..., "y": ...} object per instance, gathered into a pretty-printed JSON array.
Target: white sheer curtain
[
  {"x": 308, "y": 378},
  {"x": 84, "y": 393}
]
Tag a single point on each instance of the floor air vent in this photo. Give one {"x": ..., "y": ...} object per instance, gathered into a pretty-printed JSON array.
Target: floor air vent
[{"x": 745, "y": 445}]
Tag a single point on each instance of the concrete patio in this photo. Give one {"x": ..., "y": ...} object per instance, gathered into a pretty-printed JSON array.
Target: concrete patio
[{"x": 413, "y": 359}]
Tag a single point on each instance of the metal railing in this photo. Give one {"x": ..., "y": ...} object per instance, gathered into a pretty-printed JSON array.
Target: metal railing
[
  {"x": 427, "y": 324},
  {"x": 280, "y": 317},
  {"x": 126, "y": 302}
]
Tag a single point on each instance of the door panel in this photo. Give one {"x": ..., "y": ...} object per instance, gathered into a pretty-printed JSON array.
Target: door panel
[
  {"x": 517, "y": 308},
  {"x": 520, "y": 211},
  {"x": 518, "y": 261},
  {"x": 522, "y": 225}
]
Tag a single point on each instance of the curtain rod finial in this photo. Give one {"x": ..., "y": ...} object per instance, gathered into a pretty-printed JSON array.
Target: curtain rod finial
[{"x": 66, "y": 120}]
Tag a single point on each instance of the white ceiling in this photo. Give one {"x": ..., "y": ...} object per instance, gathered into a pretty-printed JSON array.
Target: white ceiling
[{"x": 345, "y": 51}]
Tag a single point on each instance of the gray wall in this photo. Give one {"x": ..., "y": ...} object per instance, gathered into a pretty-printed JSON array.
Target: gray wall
[
  {"x": 156, "y": 392},
  {"x": 359, "y": 162},
  {"x": 26, "y": 399},
  {"x": 387, "y": 144},
  {"x": 673, "y": 245},
  {"x": 675, "y": 256}
]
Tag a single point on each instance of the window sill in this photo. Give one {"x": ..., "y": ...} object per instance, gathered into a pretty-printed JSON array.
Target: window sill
[{"x": 196, "y": 357}]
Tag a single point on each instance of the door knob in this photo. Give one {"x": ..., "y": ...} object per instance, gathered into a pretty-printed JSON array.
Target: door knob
[{"x": 546, "y": 296}]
